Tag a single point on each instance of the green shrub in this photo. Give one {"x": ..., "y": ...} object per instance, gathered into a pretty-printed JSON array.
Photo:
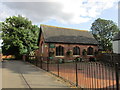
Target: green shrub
[
  {"x": 51, "y": 53},
  {"x": 69, "y": 52},
  {"x": 78, "y": 59},
  {"x": 84, "y": 52},
  {"x": 61, "y": 61}
]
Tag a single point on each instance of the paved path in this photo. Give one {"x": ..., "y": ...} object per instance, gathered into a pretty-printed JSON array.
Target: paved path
[{"x": 17, "y": 74}]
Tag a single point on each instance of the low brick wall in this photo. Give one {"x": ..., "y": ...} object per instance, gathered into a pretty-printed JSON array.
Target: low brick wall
[{"x": 0, "y": 57}]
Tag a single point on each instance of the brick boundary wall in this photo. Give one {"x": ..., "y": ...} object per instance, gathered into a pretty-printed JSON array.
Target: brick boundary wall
[{"x": 0, "y": 57}]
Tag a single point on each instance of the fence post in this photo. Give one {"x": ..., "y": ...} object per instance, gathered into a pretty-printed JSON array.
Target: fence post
[
  {"x": 27, "y": 58},
  {"x": 76, "y": 73},
  {"x": 58, "y": 68},
  {"x": 47, "y": 64},
  {"x": 40, "y": 62},
  {"x": 117, "y": 76},
  {"x": 36, "y": 60},
  {"x": 23, "y": 57}
]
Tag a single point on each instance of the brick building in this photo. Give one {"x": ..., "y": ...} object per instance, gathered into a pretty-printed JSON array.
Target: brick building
[{"x": 66, "y": 43}]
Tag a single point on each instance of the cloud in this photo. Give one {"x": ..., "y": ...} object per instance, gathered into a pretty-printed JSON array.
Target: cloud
[{"x": 63, "y": 11}]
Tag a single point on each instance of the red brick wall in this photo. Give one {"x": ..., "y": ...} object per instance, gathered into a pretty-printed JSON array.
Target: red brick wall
[
  {"x": 70, "y": 47},
  {"x": 46, "y": 49}
]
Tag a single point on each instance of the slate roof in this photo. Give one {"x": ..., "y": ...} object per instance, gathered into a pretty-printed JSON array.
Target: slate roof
[
  {"x": 117, "y": 37},
  {"x": 53, "y": 34}
]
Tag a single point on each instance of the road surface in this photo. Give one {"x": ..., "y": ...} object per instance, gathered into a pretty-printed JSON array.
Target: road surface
[{"x": 18, "y": 74}]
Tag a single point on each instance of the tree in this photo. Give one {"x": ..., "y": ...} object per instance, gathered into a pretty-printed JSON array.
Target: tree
[
  {"x": 103, "y": 31},
  {"x": 0, "y": 36},
  {"x": 19, "y": 36}
]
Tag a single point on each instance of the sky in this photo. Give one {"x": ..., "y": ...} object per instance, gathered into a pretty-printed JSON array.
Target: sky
[{"x": 77, "y": 14}]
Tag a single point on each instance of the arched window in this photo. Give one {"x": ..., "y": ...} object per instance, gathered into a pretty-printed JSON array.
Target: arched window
[
  {"x": 90, "y": 51},
  {"x": 76, "y": 51},
  {"x": 59, "y": 51}
]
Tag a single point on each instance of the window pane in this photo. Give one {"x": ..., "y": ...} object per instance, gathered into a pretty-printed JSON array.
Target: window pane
[
  {"x": 62, "y": 51},
  {"x": 59, "y": 51},
  {"x": 90, "y": 51},
  {"x": 76, "y": 51}
]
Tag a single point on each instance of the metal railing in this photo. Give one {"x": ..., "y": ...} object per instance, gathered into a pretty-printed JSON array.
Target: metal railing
[{"x": 90, "y": 75}]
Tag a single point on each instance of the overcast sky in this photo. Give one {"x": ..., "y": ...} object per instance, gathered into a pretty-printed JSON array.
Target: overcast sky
[{"x": 64, "y": 13}]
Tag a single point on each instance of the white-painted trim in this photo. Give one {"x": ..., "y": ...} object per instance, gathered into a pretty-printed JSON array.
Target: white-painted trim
[{"x": 76, "y": 55}]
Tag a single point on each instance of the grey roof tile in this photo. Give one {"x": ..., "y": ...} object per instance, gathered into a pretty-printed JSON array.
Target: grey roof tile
[{"x": 67, "y": 35}]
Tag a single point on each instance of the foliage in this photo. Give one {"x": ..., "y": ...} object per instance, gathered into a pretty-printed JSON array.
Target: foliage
[
  {"x": 69, "y": 52},
  {"x": 19, "y": 36},
  {"x": 60, "y": 61},
  {"x": 92, "y": 59},
  {"x": 96, "y": 53},
  {"x": 0, "y": 36},
  {"x": 104, "y": 31},
  {"x": 51, "y": 53},
  {"x": 78, "y": 59},
  {"x": 84, "y": 52}
]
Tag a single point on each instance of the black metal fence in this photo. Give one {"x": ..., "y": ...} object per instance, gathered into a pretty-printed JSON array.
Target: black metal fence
[
  {"x": 110, "y": 58},
  {"x": 90, "y": 75}
]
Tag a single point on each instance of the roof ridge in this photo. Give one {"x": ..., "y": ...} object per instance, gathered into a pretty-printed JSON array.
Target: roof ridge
[{"x": 63, "y": 27}]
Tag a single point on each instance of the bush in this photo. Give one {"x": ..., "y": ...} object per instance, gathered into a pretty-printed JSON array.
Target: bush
[
  {"x": 92, "y": 59},
  {"x": 61, "y": 60},
  {"x": 50, "y": 58},
  {"x": 51, "y": 54},
  {"x": 69, "y": 53},
  {"x": 78, "y": 59},
  {"x": 96, "y": 53},
  {"x": 84, "y": 52}
]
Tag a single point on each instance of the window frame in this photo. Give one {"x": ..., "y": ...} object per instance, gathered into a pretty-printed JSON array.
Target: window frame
[
  {"x": 89, "y": 52},
  {"x": 76, "y": 50},
  {"x": 60, "y": 51}
]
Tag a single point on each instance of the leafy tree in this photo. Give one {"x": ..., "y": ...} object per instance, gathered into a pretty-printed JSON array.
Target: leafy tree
[
  {"x": 0, "y": 36},
  {"x": 104, "y": 30},
  {"x": 19, "y": 36}
]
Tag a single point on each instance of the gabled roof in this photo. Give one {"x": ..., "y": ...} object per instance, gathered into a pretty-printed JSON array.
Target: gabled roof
[
  {"x": 117, "y": 37},
  {"x": 53, "y": 34}
]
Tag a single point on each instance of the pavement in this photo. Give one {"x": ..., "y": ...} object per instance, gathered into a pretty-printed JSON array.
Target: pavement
[{"x": 18, "y": 74}]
